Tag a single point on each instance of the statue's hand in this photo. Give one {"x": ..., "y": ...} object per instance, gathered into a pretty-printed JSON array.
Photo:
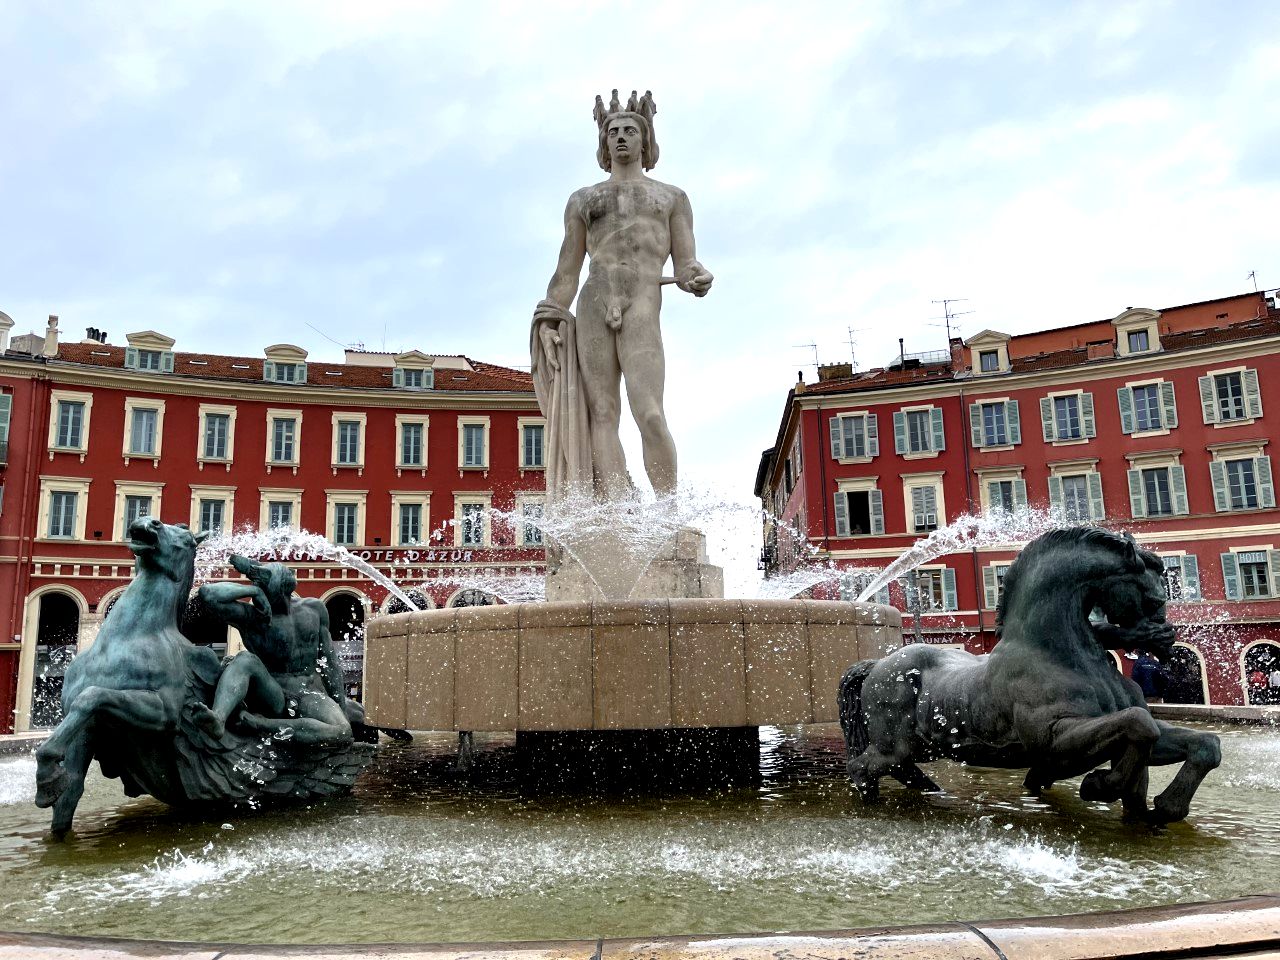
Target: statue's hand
[
  {"x": 261, "y": 605},
  {"x": 551, "y": 316},
  {"x": 695, "y": 279},
  {"x": 354, "y": 711}
]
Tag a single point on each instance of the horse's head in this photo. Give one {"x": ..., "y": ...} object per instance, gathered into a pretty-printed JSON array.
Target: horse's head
[
  {"x": 165, "y": 548},
  {"x": 1065, "y": 575}
]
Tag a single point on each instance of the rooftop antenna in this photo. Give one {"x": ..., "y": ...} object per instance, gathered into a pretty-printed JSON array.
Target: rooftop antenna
[
  {"x": 1253, "y": 275},
  {"x": 808, "y": 346},
  {"x": 853, "y": 357},
  {"x": 948, "y": 315}
]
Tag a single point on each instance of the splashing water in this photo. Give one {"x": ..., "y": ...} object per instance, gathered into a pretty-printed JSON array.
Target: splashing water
[
  {"x": 286, "y": 543},
  {"x": 507, "y": 587}
]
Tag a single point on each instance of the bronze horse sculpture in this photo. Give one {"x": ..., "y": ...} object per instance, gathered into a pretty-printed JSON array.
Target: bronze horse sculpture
[
  {"x": 1048, "y": 697},
  {"x": 138, "y": 701}
]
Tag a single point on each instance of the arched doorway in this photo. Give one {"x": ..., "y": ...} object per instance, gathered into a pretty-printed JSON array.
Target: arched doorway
[
  {"x": 57, "y": 634},
  {"x": 1261, "y": 663},
  {"x": 472, "y": 598},
  {"x": 1184, "y": 676},
  {"x": 346, "y": 628},
  {"x": 202, "y": 628}
]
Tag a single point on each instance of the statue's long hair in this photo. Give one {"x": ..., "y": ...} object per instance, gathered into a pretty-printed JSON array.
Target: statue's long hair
[{"x": 649, "y": 143}]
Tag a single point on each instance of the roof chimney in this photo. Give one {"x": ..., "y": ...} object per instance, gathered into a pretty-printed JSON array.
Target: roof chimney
[{"x": 50, "y": 348}]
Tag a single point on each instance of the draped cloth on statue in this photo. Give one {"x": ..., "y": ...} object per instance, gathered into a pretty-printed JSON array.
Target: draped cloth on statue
[{"x": 564, "y": 404}]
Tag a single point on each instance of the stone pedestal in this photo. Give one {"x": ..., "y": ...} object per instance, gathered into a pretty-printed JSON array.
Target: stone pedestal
[{"x": 680, "y": 570}]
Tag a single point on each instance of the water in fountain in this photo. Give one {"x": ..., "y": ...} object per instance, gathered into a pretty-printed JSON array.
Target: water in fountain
[
  {"x": 285, "y": 544},
  {"x": 507, "y": 587}
]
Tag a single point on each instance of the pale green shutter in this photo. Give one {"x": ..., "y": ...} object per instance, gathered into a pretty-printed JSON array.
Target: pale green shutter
[
  {"x": 1190, "y": 577},
  {"x": 1087, "y": 422},
  {"x": 1266, "y": 488},
  {"x": 268, "y": 370},
  {"x": 6, "y": 411},
  {"x": 1097, "y": 507},
  {"x": 166, "y": 362},
  {"x": 1178, "y": 486},
  {"x": 993, "y": 493},
  {"x": 975, "y": 424},
  {"x": 939, "y": 437},
  {"x": 429, "y": 379},
  {"x": 872, "y": 423},
  {"x": 397, "y": 377},
  {"x": 1019, "y": 494},
  {"x": 842, "y": 514},
  {"x": 882, "y": 595},
  {"x": 1055, "y": 495},
  {"x": 1046, "y": 419},
  {"x": 1208, "y": 404},
  {"x": 989, "y": 587},
  {"x": 1137, "y": 502},
  {"x": 1252, "y": 395},
  {"x": 131, "y": 357},
  {"x": 1125, "y": 396},
  {"x": 1168, "y": 405},
  {"x": 1218, "y": 476},
  {"x": 949, "y": 601},
  {"x": 300, "y": 373},
  {"x": 918, "y": 506},
  {"x": 1014, "y": 424},
  {"x": 900, "y": 431},
  {"x": 1230, "y": 576},
  {"x": 876, "y": 500},
  {"x": 1273, "y": 568}
]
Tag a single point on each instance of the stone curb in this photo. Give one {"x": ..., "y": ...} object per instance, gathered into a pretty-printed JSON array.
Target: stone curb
[
  {"x": 1224, "y": 714},
  {"x": 1226, "y": 928},
  {"x": 14, "y": 743}
]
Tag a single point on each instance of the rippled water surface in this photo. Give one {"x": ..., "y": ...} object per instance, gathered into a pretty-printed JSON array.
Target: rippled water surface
[{"x": 423, "y": 853}]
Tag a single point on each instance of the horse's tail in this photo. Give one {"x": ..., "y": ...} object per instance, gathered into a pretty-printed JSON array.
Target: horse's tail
[{"x": 849, "y": 697}]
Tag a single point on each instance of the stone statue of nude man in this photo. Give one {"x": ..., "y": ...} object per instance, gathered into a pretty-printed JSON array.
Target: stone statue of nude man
[{"x": 629, "y": 225}]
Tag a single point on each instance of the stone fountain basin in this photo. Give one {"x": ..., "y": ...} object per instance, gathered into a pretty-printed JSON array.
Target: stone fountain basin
[{"x": 619, "y": 665}]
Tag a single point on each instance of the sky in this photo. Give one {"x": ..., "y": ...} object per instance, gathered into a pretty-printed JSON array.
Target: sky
[{"x": 394, "y": 174}]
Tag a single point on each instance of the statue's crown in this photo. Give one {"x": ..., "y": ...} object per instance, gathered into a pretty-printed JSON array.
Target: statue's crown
[{"x": 641, "y": 105}]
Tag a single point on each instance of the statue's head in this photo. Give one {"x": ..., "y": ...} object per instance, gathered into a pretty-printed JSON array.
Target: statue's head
[
  {"x": 274, "y": 579},
  {"x": 626, "y": 134},
  {"x": 168, "y": 548}
]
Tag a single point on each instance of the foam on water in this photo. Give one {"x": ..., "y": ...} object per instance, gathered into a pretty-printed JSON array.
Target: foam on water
[{"x": 17, "y": 780}]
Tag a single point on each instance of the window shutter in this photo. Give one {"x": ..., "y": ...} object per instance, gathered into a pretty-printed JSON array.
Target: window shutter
[
  {"x": 918, "y": 502},
  {"x": 268, "y": 370},
  {"x": 842, "y": 514},
  {"x": 993, "y": 493},
  {"x": 1178, "y": 485},
  {"x": 166, "y": 362},
  {"x": 1015, "y": 425},
  {"x": 1137, "y": 503},
  {"x": 1097, "y": 506},
  {"x": 1125, "y": 396},
  {"x": 131, "y": 358},
  {"x": 975, "y": 424},
  {"x": 1266, "y": 488},
  {"x": 873, "y": 435},
  {"x": 1190, "y": 577},
  {"x": 1208, "y": 406},
  {"x": 429, "y": 379},
  {"x": 1218, "y": 476},
  {"x": 900, "y": 431},
  {"x": 989, "y": 587},
  {"x": 876, "y": 499},
  {"x": 6, "y": 410},
  {"x": 939, "y": 437},
  {"x": 1230, "y": 576},
  {"x": 931, "y": 502},
  {"x": 1252, "y": 395},
  {"x": 1273, "y": 568},
  {"x": 397, "y": 377},
  {"x": 300, "y": 374},
  {"x": 1055, "y": 494},
  {"x": 1086, "y": 416},
  {"x": 949, "y": 589},
  {"x": 1046, "y": 419},
  {"x": 882, "y": 595},
  {"x": 1019, "y": 494},
  {"x": 1168, "y": 405}
]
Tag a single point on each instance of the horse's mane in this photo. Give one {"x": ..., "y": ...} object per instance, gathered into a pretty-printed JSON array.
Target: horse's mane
[
  {"x": 1065, "y": 538},
  {"x": 186, "y": 580}
]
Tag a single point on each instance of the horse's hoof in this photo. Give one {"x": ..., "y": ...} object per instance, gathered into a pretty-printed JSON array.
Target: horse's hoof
[
  {"x": 1166, "y": 812},
  {"x": 1095, "y": 789},
  {"x": 50, "y": 784}
]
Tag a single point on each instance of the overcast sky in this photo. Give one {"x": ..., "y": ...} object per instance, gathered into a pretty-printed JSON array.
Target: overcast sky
[{"x": 395, "y": 173}]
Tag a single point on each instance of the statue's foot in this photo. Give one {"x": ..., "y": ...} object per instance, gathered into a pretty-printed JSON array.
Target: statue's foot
[
  {"x": 254, "y": 723},
  {"x": 208, "y": 721}
]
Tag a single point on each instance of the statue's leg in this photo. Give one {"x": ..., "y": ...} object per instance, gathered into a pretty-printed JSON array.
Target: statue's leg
[
  {"x": 602, "y": 383},
  {"x": 1079, "y": 744},
  {"x": 644, "y": 367},
  {"x": 910, "y": 775},
  {"x": 1198, "y": 753},
  {"x": 244, "y": 680},
  {"x": 75, "y": 765},
  {"x": 323, "y": 723}
]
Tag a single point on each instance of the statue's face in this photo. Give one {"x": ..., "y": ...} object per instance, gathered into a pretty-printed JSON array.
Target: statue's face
[{"x": 625, "y": 139}]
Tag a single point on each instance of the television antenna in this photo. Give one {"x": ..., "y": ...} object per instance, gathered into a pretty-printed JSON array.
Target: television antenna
[
  {"x": 949, "y": 315},
  {"x": 1253, "y": 275},
  {"x": 808, "y": 346}
]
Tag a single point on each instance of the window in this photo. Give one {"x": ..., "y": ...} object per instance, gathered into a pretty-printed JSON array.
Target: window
[
  {"x": 930, "y": 589},
  {"x": 855, "y": 436},
  {"x": 473, "y": 445},
  {"x": 134, "y": 507},
  {"x": 531, "y": 529},
  {"x": 1181, "y": 578},
  {"x": 1000, "y": 496},
  {"x": 531, "y": 445},
  {"x": 994, "y": 423},
  {"x": 417, "y": 376},
  {"x": 413, "y": 379},
  {"x": 142, "y": 431},
  {"x": 1242, "y": 483},
  {"x": 148, "y": 359},
  {"x": 274, "y": 371},
  {"x": 1158, "y": 490},
  {"x": 1242, "y": 487},
  {"x": 70, "y": 423},
  {"x": 280, "y": 513},
  {"x": 859, "y": 512},
  {"x": 473, "y": 524},
  {"x": 993, "y": 584},
  {"x": 1230, "y": 396},
  {"x": 924, "y": 508},
  {"x": 410, "y": 523},
  {"x": 212, "y": 514},
  {"x": 1146, "y": 407},
  {"x": 1155, "y": 487},
  {"x": 62, "y": 514},
  {"x": 348, "y": 443},
  {"x": 1066, "y": 413},
  {"x": 411, "y": 444},
  {"x": 1250, "y": 574},
  {"x": 918, "y": 431},
  {"x": 217, "y": 431},
  {"x": 1139, "y": 341},
  {"x": 345, "y": 520},
  {"x": 1067, "y": 417},
  {"x": 283, "y": 433},
  {"x": 989, "y": 361},
  {"x": 1077, "y": 497}
]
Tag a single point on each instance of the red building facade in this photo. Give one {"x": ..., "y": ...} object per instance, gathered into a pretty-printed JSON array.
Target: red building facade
[
  {"x": 1158, "y": 422},
  {"x": 397, "y": 457}
]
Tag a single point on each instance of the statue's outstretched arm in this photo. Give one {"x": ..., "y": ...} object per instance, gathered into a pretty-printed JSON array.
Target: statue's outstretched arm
[
  {"x": 224, "y": 600},
  {"x": 691, "y": 276}
]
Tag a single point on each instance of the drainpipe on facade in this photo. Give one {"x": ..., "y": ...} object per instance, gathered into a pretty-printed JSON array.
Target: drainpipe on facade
[
  {"x": 968, "y": 496},
  {"x": 822, "y": 479}
]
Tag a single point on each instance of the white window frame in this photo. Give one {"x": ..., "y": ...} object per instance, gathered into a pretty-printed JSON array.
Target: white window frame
[
  {"x": 420, "y": 498},
  {"x": 274, "y": 414},
  {"x": 907, "y": 453},
  {"x": 945, "y": 573},
  {"x": 867, "y": 485},
  {"x": 870, "y": 435},
  {"x": 347, "y": 416},
  {"x": 230, "y": 413},
  {"x": 1273, "y": 573},
  {"x": 360, "y": 499},
  {"x": 130, "y": 488},
  {"x": 521, "y": 423},
  {"x": 1012, "y": 423},
  {"x": 422, "y": 420},
  {"x": 464, "y": 422},
  {"x": 1086, "y": 434},
  {"x": 1254, "y": 450},
  {"x": 269, "y": 495},
  {"x": 1186, "y": 563},
  {"x": 227, "y": 495},
  {"x": 988, "y": 475},
  {"x": 1248, "y": 382},
  {"x": 1170, "y": 460},
  {"x": 523, "y": 500},
  {"x": 142, "y": 403},
  {"x": 1080, "y": 468},
  {"x": 1167, "y": 401},
  {"x": 50, "y": 485},
  {"x": 912, "y": 480},
  {"x": 486, "y": 499},
  {"x": 72, "y": 396}
]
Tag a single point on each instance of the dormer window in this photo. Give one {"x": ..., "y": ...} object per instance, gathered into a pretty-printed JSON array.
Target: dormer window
[
  {"x": 149, "y": 351},
  {"x": 1139, "y": 341},
  {"x": 1137, "y": 331},
  {"x": 988, "y": 353},
  {"x": 416, "y": 379},
  {"x": 989, "y": 361},
  {"x": 413, "y": 371},
  {"x": 284, "y": 364},
  {"x": 149, "y": 359}
]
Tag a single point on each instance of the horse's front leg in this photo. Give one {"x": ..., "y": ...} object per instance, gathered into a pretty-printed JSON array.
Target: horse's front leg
[
  {"x": 1198, "y": 753},
  {"x": 75, "y": 765},
  {"x": 1126, "y": 738}
]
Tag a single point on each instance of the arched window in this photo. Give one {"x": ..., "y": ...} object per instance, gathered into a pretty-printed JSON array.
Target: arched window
[
  {"x": 1262, "y": 673},
  {"x": 346, "y": 628},
  {"x": 417, "y": 596},
  {"x": 1184, "y": 676},
  {"x": 472, "y": 598},
  {"x": 57, "y": 633}
]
